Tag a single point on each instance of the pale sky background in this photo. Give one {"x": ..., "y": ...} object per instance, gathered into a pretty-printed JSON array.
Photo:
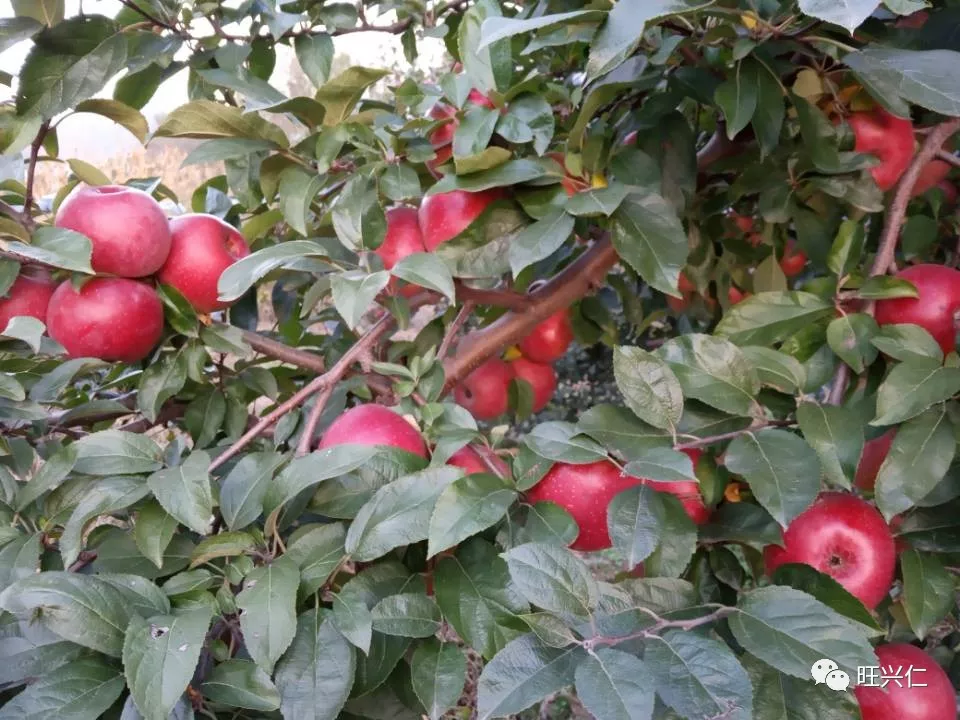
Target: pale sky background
[{"x": 93, "y": 138}]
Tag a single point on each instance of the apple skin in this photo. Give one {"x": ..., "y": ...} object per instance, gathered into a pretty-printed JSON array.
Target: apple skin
[
  {"x": 478, "y": 459},
  {"x": 935, "y": 309},
  {"x": 484, "y": 391},
  {"x": 936, "y": 701},
  {"x": 793, "y": 260},
  {"x": 28, "y": 296},
  {"x": 445, "y": 215},
  {"x": 373, "y": 425},
  {"x": 127, "y": 229},
  {"x": 541, "y": 377},
  {"x": 584, "y": 491},
  {"x": 203, "y": 247},
  {"x": 549, "y": 340},
  {"x": 442, "y": 137},
  {"x": 736, "y": 295},
  {"x": 686, "y": 491},
  {"x": 932, "y": 174},
  {"x": 889, "y": 138},
  {"x": 874, "y": 453},
  {"x": 403, "y": 236},
  {"x": 115, "y": 319},
  {"x": 844, "y": 537}
]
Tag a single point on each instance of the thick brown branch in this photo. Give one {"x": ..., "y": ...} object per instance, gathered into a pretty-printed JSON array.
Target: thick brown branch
[
  {"x": 289, "y": 355},
  {"x": 495, "y": 298},
  {"x": 948, "y": 157}
]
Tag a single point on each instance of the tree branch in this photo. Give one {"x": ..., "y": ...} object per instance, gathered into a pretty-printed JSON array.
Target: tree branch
[
  {"x": 759, "y": 425},
  {"x": 660, "y": 624},
  {"x": 948, "y": 157},
  {"x": 18, "y": 217},
  {"x": 150, "y": 18},
  {"x": 32, "y": 167},
  {"x": 278, "y": 350},
  {"x": 454, "y": 328},
  {"x": 495, "y": 298}
]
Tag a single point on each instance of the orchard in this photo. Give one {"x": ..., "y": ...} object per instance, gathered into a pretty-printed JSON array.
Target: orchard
[{"x": 276, "y": 448}]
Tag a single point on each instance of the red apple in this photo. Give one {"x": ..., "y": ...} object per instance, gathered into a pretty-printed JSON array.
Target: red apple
[
  {"x": 889, "y": 138},
  {"x": 688, "y": 492},
  {"x": 127, "y": 228},
  {"x": 735, "y": 295},
  {"x": 203, "y": 247},
  {"x": 928, "y": 694},
  {"x": 484, "y": 392},
  {"x": 844, "y": 537},
  {"x": 549, "y": 340},
  {"x": 584, "y": 491},
  {"x": 793, "y": 260},
  {"x": 542, "y": 379},
  {"x": 442, "y": 137},
  {"x": 403, "y": 236},
  {"x": 874, "y": 453},
  {"x": 935, "y": 310},
  {"x": 29, "y": 295},
  {"x": 685, "y": 284},
  {"x": 679, "y": 305},
  {"x": 932, "y": 174},
  {"x": 373, "y": 425},
  {"x": 109, "y": 318},
  {"x": 445, "y": 215},
  {"x": 478, "y": 459}
]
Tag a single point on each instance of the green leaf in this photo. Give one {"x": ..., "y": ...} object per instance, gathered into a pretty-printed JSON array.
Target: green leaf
[
  {"x": 160, "y": 655},
  {"x": 354, "y": 292},
  {"x": 786, "y": 698},
  {"x": 205, "y": 119},
  {"x": 884, "y": 287},
  {"x": 243, "y": 490},
  {"x": 297, "y": 190},
  {"x": 438, "y": 672},
  {"x": 776, "y": 369},
  {"x": 790, "y": 630},
  {"x": 850, "y": 336},
  {"x": 473, "y": 133},
  {"x": 244, "y": 273},
  {"x": 315, "y": 55},
  {"x": 467, "y": 506},
  {"x": 160, "y": 382},
  {"x": 478, "y": 597},
  {"x": 185, "y": 491},
  {"x": 528, "y": 118},
  {"x": 742, "y": 522},
  {"x": 835, "y": 434},
  {"x": 221, "y": 545},
  {"x": 782, "y": 469},
  {"x": 714, "y": 371},
  {"x": 500, "y": 28},
  {"x": 240, "y": 683},
  {"x": 29, "y": 658},
  {"x": 635, "y": 522},
  {"x": 510, "y": 173},
  {"x": 27, "y": 329},
  {"x": 766, "y": 318},
  {"x": 340, "y": 95},
  {"x": 914, "y": 76},
  {"x": 737, "y": 97},
  {"x": 649, "y": 236},
  {"x": 846, "y": 249},
  {"x": 48, "y": 12},
  {"x": 51, "y": 474},
  {"x": 540, "y": 240},
  {"x": 428, "y": 271},
  {"x": 663, "y": 465},
  {"x": 678, "y": 540},
  {"x": 315, "y": 675},
  {"x": 561, "y": 442},
  {"x": 523, "y": 673},
  {"x": 648, "y": 386},
  {"x": 598, "y": 202},
  {"x": 406, "y": 615},
  {"x": 490, "y": 66},
  {"x": 153, "y": 531},
  {"x": 547, "y": 523},
  {"x": 269, "y": 614},
  {"x": 828, "y": 591},
  {"x": 919, "y": 457},
  {"x": 11, "y": 389},
  {"x": 552, "y": 578},
  {"x": 849, "y": 14},
  {"x": 928, "y": 591},
  {"x": 400, "y": 182},
  {"x": 398, "y": 513},
  {"x": 82, "y": 689},
  {"x": 258, "y": 93},
  {"x": 615, "y": 685},
  {"x": 213, "y": 151},
  {"x": 58, "y": 247},
  {"x": 318, "y": 550},
  {"x": 19, "y": 558},
  {"x": 698, "y": 676},
  {"x": 115, "y": 452},
  {"x": 101, "y": 497},
  {"x": 123, "y": 115},
  {"x": 912, "y": 387}
]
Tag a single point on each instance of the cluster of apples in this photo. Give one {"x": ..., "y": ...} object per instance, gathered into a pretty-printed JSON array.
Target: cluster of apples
[{"x": 118, "y": 316}]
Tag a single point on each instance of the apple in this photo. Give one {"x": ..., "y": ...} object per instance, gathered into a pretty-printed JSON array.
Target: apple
[
  {"x": 687, "y": 491},
  {"x": 931, "y": 175},
  {"x": 108, "y": 318},
  {"x": 793, "y": 260},
  {"x": 549, "y": 340},
  {"x": 484, "y": 391},
  {"x": 889, "y": 138},
  {"x": 542, "y": 379},
  {"x": 679, "y": 305},
  {"x": 373, "y": 425},
  {"x": 203, "y": 247},
  {"x": 584, "y": 491},
  {"x": 685, "y": 284},
  {"x": 736, "y": 295},
  {"x": 442, "y": 137},
  {"x": 844, "y": 537},
  {"x": 29, "y": 296},
  {"x": 403, "y": 236},
  {"x": 935, "y": 310},
  {"x": 928, "y": 695},
  {"x": 874, "y": 453},
  {"x": 478, "y": 459},
  {"x": 445, "y": 215},
  {"x": 127, "y": 228}
]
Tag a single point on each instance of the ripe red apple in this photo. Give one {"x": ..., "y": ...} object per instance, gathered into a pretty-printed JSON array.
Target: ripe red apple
[
  {"x": 203, "y": 247},
  {"x": 542, "y": 379},
  {"x": 688, "y": 492},
  {"x": 127, "y": 228},
  {"x": 403, "y": 236},
  {"x": 109, "y": 318},
  {"x": 478, "y": 459},
  {"x": 908, "y": 699},
  {"x": 584, "y": 491},
  {"x": 844, "y": 537},
  {"x": 484, "y": 391},
  {"x": 935, "y": 310},
  {"x": 549, "y": 340},
  {"x": 442, "y": 137},
  {"x": 874, "y": 453},
  {"x": 445, "y": 215},
  {"x": 373, "y": 425},
  {"x": 889, "y": 138},
  {"x": 29, "y": 295},
  {"x": 793, "y": 260},
  {"x": 735, "y": 295},
  {"x": 744, "y": 223},
  {"x": 679, "y": 305},
  {"x": 931, "y": 175},
  {"x": 685, "y": 284}
]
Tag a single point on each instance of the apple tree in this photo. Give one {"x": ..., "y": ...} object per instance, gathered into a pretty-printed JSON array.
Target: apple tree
[{"x": 256, "y": 454}]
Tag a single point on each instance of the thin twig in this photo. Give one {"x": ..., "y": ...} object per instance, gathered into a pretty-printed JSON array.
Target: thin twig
[
  {"x": 454, "y": 329},
  {"x": 18, "y": 217},
  {"x": 278, "y": 350},
  {"x": 310, "y": 429},
  {"x": 839, "y": 384},
  {"x": 32, "y": 166},
  {"x": 659, "y": 625},
  {"x": 759, "y": 425},
  {"x": 151, "y": 18},
  {"x": 948, "y": 157}
]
